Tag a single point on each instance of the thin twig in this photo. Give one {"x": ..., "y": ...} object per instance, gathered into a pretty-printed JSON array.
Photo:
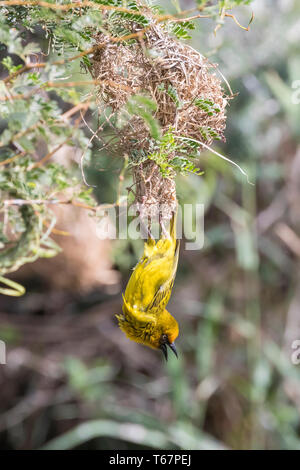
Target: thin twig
[
  {"x": 218, "y": 154},
  {"x": 74, "y": 110},
  {"x": 66, "y": 6},
  {"x": 182, "y": 20},
  {"x": 49, "y": 155},
  {"x": 11, "y": 159},
  {"x": 236, "y": 21}
]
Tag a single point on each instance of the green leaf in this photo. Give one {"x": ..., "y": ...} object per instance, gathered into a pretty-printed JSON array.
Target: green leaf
[
  {"x": 143, "y": 106},
  {"x": 207, "y": 105},
  {"x": 172, "y": 92}
]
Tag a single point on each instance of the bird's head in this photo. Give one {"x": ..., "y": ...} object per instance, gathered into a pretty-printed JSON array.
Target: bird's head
[
  {"x": 158, "y": 333},
  {"x": 165, "y": 333}
]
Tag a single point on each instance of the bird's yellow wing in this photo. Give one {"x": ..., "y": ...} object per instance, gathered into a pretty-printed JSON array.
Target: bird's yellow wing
[
  {"x": 164, "y": 288},
  {"x": 150, "y": 285}
]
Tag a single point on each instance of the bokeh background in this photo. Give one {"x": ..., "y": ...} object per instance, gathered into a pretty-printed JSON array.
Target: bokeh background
[{"x": 72, "y": 379}]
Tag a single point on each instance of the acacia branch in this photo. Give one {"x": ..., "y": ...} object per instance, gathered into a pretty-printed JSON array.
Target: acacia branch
[
  {"x": 96, "y": 6},
  {"x": 67, "y": 6},
  {"x": 139, "y": 34},
  {"x": 11, "y": 159},
  {"x": 229, "y": 15},
  {"x": 23, "y": 69},
  {"x": 50, "y": 154}
]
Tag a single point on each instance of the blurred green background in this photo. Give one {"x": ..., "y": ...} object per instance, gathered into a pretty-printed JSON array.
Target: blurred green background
[{"x": 72, "y": 379}]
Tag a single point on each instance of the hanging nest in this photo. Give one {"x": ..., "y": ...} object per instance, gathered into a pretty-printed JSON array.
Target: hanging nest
[{"x": 188, "y": 95}]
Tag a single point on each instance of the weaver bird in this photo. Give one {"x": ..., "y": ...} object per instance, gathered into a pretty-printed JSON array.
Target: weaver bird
[{"x": 145, "y": 318}]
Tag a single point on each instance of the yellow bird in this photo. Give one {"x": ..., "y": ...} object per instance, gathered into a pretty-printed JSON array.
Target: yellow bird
[{"x": 145, "y": 318}]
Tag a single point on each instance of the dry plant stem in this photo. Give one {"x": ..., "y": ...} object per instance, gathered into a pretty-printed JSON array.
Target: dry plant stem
[
  {"x": 56, "y": 231},
  {"x": 154, "y": 193},
  {"x": 65, "y": 7}
]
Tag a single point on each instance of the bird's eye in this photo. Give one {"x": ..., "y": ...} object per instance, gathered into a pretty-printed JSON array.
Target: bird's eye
[{"x": 164, "y": 339}]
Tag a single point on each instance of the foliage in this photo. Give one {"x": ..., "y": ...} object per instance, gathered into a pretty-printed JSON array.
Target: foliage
[
  {"x": 207, "y": 105},
  {"x": 35, "y": 97},
  {"x": 169, "y": 160}
]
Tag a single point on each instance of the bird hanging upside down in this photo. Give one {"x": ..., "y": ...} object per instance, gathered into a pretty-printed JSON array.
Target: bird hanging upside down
[{"x": 145, "y": 318}]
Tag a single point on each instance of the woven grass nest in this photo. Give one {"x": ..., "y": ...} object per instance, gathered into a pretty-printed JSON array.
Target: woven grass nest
[{"x": 150, "y": 66}]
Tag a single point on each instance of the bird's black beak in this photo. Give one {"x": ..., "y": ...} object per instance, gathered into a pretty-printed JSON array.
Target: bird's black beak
[
  {"x": 172, "y": 346},
  {"x": 165, "y": 349}
]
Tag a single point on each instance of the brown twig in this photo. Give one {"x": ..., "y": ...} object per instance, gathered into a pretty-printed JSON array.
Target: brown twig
[
  {"x": 66, "y": 115},
  {"x": 49, "y": 155},
  {"x": 11, "y": 159},
  {"x": 66, "y": 6},
  {"x": 23, "y": 69},
  {"x": 229, "y": 15},
  {"x": 56, "y": 231},
  {"x": 20, "y": 96},
  {"x": 182, "y": 20},
  {"x": 85, "y": 82}
]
